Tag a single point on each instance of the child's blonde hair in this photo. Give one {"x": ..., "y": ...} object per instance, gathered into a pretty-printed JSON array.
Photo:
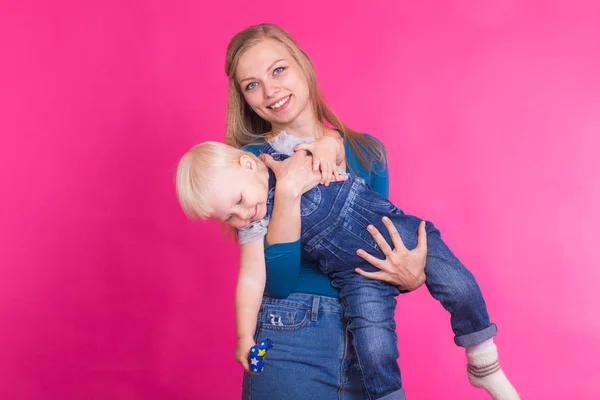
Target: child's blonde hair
[{"x": 197, "y": 174}]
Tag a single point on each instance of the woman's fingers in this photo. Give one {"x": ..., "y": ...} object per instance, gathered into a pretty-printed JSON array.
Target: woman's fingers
[
  {"x": 396, "y": 239},
  {"x": 268, "y": 160},
  {"x": 374, "y": 261},
  {"x": 422, "y": 238},
  {"x": 378, "y": 275},
  {"x": 383, "y": 245}
]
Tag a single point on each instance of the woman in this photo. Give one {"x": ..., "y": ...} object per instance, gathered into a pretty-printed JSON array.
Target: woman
[{"x": 272, "y": 88}]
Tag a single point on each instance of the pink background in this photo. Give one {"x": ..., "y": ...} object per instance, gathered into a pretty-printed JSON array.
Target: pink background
[{"x": 490, "y": 112}]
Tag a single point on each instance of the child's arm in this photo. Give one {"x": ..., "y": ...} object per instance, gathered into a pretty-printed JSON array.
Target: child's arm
[
  {"x": 328, "y": 153},
  {"x": 248, "y": 296}
]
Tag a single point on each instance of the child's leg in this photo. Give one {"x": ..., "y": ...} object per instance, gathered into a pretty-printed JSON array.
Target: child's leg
[
  {"x": 449, "y": 281},
  {"x": 369, "y": 306},
  {"x": 453, "y": 285}
]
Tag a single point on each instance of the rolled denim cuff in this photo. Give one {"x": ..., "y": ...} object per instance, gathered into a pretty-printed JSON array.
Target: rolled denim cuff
[
  {"x": 397, "y": 395},
  {"x": 476, "y": 337}
]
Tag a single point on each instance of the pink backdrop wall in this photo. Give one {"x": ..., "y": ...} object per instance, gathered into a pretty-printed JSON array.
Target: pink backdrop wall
[{"x": 491, "y": 115}]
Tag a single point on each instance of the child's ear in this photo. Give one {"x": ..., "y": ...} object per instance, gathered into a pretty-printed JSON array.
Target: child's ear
[{"x": 248, "y": 162}]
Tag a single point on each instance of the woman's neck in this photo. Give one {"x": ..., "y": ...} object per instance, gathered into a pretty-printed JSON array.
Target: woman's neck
[{"x": 305, "y": 125}]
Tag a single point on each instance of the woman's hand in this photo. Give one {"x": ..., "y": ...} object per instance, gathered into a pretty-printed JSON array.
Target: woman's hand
[
  {"x": 326, "y": 156},
  {"x": 401, "y": 267},
  {"x": 295, "y": 175}
]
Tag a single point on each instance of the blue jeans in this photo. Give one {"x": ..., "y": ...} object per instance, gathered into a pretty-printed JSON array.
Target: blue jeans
[
  {"x": 334, "y": 226},
  {"x": 312, "y": 357}
]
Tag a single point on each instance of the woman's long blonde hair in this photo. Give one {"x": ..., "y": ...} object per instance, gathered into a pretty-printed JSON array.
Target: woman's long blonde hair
[{"x": 244, "y": 126}]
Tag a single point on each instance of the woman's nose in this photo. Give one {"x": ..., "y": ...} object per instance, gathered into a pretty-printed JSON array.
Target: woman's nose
[{"x": 271, "y": 89}]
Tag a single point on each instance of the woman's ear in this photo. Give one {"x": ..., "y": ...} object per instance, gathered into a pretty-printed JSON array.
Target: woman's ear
[{"x": 248, "y": 163}]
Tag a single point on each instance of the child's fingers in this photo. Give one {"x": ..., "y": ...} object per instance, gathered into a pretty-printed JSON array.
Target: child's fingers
[
  {"x": 304, "y": 146},
  {"x": 336, "y": 174},
  {"x": 331, "y": 174},
  {"x": 341, "y": 177},
  {"x": 246, "y": 366},
  {"x": 316, "y": 164},
  {"x": 326, "y": 173}
]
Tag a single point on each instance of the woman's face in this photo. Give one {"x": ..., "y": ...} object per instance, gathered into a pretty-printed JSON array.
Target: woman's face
[{"x": 272, "y": 83}]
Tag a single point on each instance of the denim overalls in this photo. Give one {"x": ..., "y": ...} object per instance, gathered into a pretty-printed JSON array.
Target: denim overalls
[{"x": 334, "y": 226}]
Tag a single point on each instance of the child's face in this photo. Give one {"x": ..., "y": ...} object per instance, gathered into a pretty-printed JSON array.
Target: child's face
[{"x": 240, "y": 195}]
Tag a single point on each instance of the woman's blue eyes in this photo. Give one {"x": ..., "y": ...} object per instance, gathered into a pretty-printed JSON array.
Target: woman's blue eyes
[{"x": 276, "y": 71}]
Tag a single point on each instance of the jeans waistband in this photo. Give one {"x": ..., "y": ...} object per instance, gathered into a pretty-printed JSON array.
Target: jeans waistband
[{"x": 311, "y": 302}]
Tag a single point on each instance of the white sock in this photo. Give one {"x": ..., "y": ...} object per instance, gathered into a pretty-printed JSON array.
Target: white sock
[
  {"x": 485, "y": 372},
  {"x": 482, "y": 347}
]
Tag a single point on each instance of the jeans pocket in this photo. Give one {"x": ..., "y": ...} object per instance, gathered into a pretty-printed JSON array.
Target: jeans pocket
[
  {"x": 310, "y": 201},
  {"x": 276, "y": 317}
]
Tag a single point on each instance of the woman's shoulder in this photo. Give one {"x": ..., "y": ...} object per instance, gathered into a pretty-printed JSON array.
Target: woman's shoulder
[
  {"x": 374, "y": 138},
  {"x": 361, "y": 144},
  {"x": 372, "y": 152}
]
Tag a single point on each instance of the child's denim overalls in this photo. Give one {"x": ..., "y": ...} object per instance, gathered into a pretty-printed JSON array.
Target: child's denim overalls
[{"x": 334, "y": 226}]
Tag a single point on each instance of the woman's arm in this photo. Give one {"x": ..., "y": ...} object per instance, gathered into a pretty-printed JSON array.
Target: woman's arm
[
  {"x": 294, "y": 177},
  {"x": 282, "y": 244},
  {"x": 284, "y": 225}
]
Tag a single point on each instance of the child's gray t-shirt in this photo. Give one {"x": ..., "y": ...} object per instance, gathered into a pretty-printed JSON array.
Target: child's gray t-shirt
[{"x": 284, "y": 144}]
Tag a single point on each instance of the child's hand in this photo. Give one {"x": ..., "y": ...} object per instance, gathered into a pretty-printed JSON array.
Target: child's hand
[
  {"x": 242, "y": 353},
  {"x": 325, "y": 153}
]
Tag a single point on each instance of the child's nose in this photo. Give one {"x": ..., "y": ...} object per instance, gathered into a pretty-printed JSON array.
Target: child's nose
[{"x": 244, "y": 213}]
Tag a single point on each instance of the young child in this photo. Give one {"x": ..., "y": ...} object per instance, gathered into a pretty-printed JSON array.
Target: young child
[{"x": 218, "y": 181}]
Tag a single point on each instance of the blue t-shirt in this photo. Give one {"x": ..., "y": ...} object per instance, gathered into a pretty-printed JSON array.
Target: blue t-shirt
[{"x": 292, "y": 270}]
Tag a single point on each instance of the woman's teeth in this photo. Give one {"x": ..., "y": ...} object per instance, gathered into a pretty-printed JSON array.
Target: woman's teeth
[{"x": 280, "y": 103}]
